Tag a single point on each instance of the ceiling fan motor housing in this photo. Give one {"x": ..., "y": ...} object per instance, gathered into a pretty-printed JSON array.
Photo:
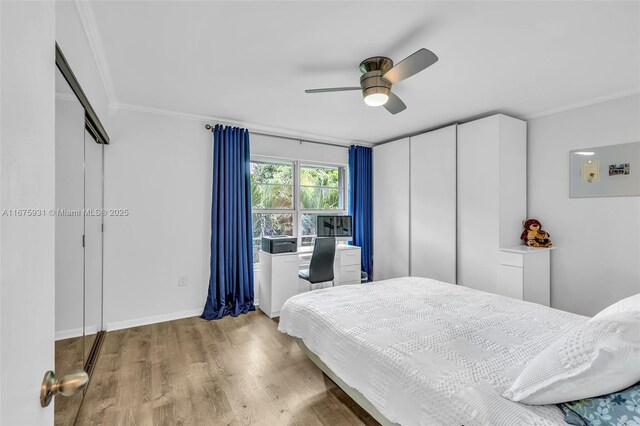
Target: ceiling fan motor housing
[{"x": 371, "y": 80}]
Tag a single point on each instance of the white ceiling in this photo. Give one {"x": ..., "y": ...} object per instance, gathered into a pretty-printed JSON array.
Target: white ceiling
[{"x": 251, "y": 61}]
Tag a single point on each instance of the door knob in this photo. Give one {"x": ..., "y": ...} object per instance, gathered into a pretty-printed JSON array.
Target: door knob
[{"x": 68, "y": 385}]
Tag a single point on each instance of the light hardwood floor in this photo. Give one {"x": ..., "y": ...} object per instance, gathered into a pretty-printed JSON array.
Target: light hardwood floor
[{"x": 234, "y": 371}]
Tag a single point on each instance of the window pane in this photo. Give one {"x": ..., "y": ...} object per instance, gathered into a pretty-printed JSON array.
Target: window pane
[
  {"x": 309, "y": 224},
  {"x": 270, "y": 224},
  {"x": 321, "y": 198},
  {"x": 263, "y": 172},
  {"x": 320, "y": 176},
  {"x": 271, "y": 196},
  {"x": 308, "y": 229}
]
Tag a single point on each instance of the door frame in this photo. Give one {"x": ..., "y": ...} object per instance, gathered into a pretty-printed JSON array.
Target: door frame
[{"x": 92, "y": 122}]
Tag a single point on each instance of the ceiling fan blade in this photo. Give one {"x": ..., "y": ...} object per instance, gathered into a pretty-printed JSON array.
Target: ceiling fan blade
[
  {"x": 411, "y": 65},
  {"x": 332, "y": 89},
  {"x": 394, "y": 105}
]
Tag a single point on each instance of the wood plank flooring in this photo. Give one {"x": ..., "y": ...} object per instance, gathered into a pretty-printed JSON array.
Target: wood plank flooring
[
  {"x": 69, "y": 357},
  {"x": 234, "y": 371},
  {"x": 71, "y": 354}
]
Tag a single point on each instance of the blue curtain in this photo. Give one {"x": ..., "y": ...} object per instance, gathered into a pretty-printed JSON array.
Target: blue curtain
[
  {"x": 231, "y": 276},
  {"x": 360, "y": 202}
]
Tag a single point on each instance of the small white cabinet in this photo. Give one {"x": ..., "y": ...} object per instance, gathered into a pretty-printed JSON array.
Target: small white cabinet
[
  {"x": 347, "y": 266},
  {"x": 278, "y": 280},
  {"x": 525, "y": 274}
]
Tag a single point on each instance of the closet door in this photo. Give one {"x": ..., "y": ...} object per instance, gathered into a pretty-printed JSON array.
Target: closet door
[
  {"x": 478, "y": 203},
  {"x": 433, "y": 205},
  {"x": 93, "y": 239},
  {"x": 69, "y": 254},
  {"x": 391, "y": 210},
  {"x": 492, "y": 196}
]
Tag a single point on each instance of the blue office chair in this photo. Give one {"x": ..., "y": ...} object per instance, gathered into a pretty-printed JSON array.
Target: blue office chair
[{"x": 321, "y": 266}]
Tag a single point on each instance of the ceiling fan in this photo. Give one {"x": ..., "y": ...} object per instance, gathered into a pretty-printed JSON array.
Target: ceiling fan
[{"x": 379, "y": 74}]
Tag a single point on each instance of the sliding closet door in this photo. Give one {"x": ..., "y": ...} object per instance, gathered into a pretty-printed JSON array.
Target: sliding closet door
[
  {"x": 391, "y": 210},
  {"x": 93, "y": 239},
  {"x": 69, "y": 255},
  {"x": 478, "y": 203},
  {"x": 433, "y": 205},
  {"x": 69, "y": 220}
]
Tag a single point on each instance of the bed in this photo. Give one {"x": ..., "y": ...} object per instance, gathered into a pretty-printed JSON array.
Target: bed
[{"x": 416, "y": 351}]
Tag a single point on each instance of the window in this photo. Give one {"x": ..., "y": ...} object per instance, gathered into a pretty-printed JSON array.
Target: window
[
  {"x": 287, "y": 196},
  {"x": 271, "y": 200},
  {"x": 321, "y": 192}
]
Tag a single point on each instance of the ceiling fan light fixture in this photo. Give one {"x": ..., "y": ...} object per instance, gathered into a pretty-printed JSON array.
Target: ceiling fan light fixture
[
  {"x": 376, "y": 99},
  {"x": 376, "y": 96}
]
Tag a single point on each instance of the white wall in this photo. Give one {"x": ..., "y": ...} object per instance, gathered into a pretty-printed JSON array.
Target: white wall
[
  {"x": 294, "y": 150},
  {"x": 27, "y": 177},
  {"x": 597, "y": 260},
  {"x": 73, "y": 42},
  {"x": 160, "y": 168}
]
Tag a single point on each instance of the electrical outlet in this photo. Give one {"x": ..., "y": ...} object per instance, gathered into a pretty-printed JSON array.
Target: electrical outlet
[{"x": 182, "y": 280}]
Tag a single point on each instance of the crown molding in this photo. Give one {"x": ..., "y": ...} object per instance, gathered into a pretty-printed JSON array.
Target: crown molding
[
  {"x": 88, "y": 20},
  {"x": 582, "y": 104},
  {"x": 254, "y": 127}
]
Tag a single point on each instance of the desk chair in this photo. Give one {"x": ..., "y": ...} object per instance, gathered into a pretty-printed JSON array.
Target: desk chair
[{"x": 321, "y": 266}]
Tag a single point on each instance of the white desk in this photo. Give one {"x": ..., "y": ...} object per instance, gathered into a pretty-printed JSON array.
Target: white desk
[{"x": 279, "y": 274}]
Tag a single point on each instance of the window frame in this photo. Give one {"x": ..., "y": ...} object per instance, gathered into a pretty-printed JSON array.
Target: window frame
[
  {"x": 342, "y": 185},
  {"x": 297, "y": 210},
  {"x": 259, "y": 159}
]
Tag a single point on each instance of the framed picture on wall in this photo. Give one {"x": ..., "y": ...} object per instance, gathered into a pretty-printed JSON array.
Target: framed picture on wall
[{"x": 605, "y": 171}]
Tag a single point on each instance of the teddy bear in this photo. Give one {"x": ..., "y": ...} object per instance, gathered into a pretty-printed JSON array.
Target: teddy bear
[{"x": 533, "y": 234}]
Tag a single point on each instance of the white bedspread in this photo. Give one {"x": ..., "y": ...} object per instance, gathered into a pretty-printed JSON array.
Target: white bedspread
[{"x": 425, "y": 352}]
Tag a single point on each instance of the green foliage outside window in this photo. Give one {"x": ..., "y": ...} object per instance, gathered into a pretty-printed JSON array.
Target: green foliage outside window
[
  {"x": 320, "y": 188},
  {"x": 271, "y": 185},
  {"x": 272, "y": 188}
]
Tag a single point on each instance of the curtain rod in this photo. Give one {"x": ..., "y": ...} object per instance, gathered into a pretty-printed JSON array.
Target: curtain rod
[{"x": 210, "y": 127}]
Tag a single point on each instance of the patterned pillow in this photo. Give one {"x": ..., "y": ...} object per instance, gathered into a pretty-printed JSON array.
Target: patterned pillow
[
  {"x": 593, "y": 358},
  {"x": 616, "y": 409}
]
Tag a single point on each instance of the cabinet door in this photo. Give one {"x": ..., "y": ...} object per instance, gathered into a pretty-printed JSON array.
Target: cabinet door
[
  {"x": 284, "y": 280},
  {"x": 478, "y": 204},
  {"x": 433, "y": 205},
  {"x": 391, "y": 210},
  {"x": 511, "y": 282}
]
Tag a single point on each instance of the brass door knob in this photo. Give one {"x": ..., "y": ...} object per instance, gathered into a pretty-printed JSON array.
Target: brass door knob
[{"x": 68, "y": 385}]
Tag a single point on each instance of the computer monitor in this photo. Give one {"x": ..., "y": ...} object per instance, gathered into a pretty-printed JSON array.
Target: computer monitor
[{"x": 334, "y": 226}]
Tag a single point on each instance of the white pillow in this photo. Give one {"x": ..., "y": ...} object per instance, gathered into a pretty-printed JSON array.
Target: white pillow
[
  {"x": 630, "y": 304},
  {"x": 596, "y": 358}
]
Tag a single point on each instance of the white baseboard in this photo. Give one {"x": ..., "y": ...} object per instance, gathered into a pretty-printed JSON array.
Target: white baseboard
[
  {"x": 75, "y": 332},
  {"x": 119, "y": 325}
]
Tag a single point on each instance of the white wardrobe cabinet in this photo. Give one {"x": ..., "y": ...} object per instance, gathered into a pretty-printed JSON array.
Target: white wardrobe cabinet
[
  {"x": 492, "y": 198},
  {"x": 446, "y": 201},
  {"x": 391, "y": 210},
  {"x": 433, "y": 205}
]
